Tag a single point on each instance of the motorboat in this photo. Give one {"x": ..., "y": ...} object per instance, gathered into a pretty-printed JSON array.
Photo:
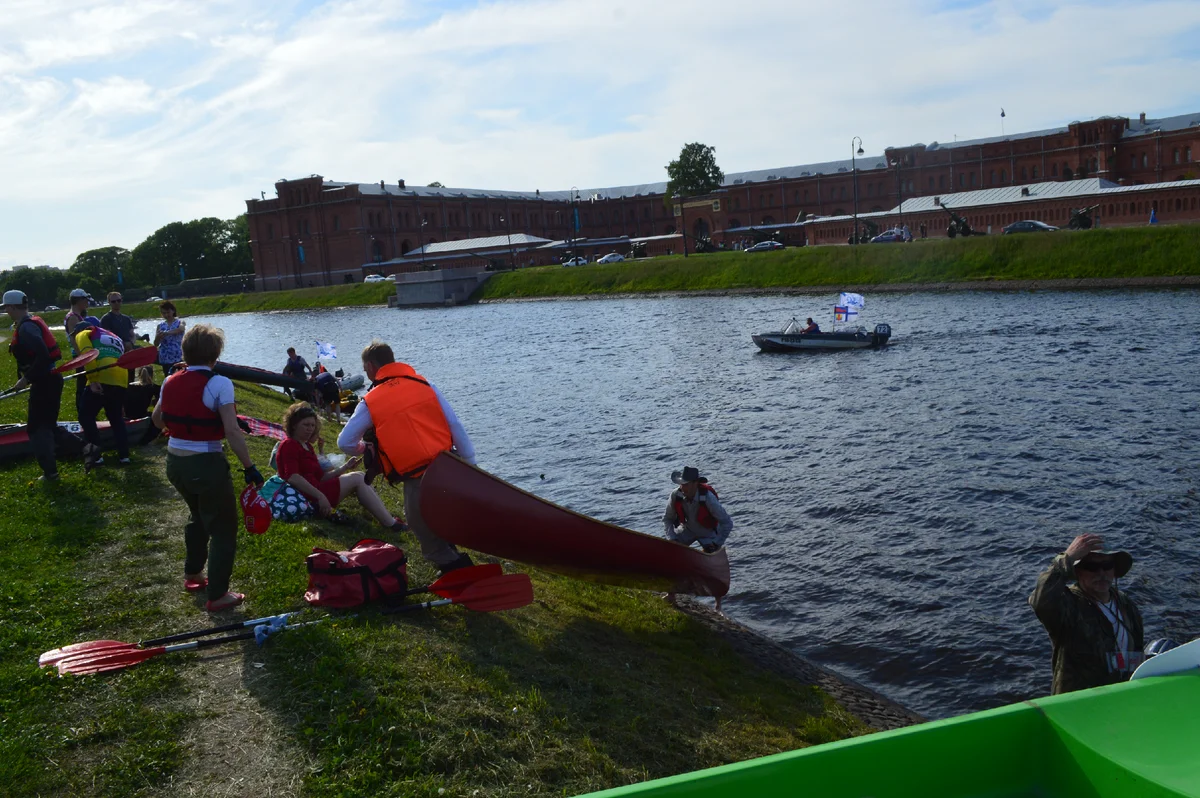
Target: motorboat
[{"x": 792, "y": 338}]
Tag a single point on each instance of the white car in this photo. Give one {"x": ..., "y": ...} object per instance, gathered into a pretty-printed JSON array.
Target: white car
[
  {"x": 53, "y": 307},
  {"x": 611, "y": 257},
  {"x": 155, "y": 299},
  {"x": 375, "y": 278},
  {"x": 576, "y": 261}
]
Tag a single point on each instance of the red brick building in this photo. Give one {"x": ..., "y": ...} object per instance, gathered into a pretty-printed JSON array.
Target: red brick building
[{"x": 320, "y": 232}]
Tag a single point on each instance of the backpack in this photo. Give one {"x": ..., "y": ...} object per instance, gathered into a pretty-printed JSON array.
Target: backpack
[{"x": 370, "y": 571}]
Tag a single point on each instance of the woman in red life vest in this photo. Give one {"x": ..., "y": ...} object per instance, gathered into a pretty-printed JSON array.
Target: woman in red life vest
[
  {"x": 197, "y": 408},
  {"x": 298, "y": 466}
]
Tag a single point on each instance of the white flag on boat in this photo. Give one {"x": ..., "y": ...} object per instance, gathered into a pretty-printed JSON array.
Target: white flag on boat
[
  {"x": 326, "y": 350},
  {"x": 849, "y": 300}
]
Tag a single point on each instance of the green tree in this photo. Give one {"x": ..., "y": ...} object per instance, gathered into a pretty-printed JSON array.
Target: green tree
[
  {"x": 694, "y": 172},
  {"x": 100, "y": 268},
  {"x": 40, "y": 283},
  {"x": 435, "y": 184},
  {"x": 207, "y": 247}
]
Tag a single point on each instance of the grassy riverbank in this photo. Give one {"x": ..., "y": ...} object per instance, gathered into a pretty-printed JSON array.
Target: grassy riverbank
[
  {"x": 1118, "y": 253},
  {"x": 589, "y": 687},
  {"x": 333, "y": 296}
]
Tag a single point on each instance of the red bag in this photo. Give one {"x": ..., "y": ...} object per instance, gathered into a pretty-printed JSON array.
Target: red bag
[
  {"x": 256, "y": 513},
  {"x": 370, "y": 571}
]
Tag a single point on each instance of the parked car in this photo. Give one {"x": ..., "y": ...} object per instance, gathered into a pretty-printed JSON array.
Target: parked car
[
  {"x": 889, "y": 237},
  {"x": 375, "y": 278},
  {"x": 576, "y": 261},
  {"x": 53, "y": 307},
  {"x": 764, "y": 246},
  {"x": 155, "y": 299},
  {"x": 611, "y": 257},
  {"x": 1029, "y": 226}
]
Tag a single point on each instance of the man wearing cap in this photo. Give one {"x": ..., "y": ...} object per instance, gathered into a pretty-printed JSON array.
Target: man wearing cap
[
  {"x": 36, "y": 352},
  {"x": 1095, "y": 629},
  {"x": 694, "y": 515}
]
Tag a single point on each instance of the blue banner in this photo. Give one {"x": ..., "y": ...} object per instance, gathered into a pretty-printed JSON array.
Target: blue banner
[
  {"x": 300, "y": 252},
  {"x": 576, "y": 220}
]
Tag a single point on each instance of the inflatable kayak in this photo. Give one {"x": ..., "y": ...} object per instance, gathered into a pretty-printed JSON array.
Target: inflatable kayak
[
  {"x": 352, "y": 383},
  {"x": 470, "y": 507},
  {"x": 1130, "y": 740},
  {"x": 14, "y": 438},
  {"x": 260, "y": 376}
]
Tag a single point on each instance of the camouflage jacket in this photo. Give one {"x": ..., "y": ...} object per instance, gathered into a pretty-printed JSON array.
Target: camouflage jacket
[{"x": 1082, "y": 637}]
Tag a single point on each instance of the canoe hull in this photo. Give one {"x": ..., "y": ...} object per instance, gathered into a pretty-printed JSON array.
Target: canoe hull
[
  {"x": 470, "y": 507},
  {"x": 14, "y": 439},
  {"x": 260, "y": 376}
]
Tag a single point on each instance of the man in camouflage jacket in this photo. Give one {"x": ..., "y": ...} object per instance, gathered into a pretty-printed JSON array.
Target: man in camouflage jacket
[{"x": 1096, "y": 630}]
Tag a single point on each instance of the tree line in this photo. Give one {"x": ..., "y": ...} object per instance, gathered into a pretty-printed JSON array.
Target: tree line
[{"x": 179, "y": 251}]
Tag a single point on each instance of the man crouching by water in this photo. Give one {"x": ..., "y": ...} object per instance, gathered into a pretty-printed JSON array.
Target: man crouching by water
[
  {"x": 1095, "y": 629},
  {"x": 694, "y": 515}
]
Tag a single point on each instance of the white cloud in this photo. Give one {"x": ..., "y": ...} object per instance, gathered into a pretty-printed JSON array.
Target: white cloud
[{"x": 118, "y": 117}]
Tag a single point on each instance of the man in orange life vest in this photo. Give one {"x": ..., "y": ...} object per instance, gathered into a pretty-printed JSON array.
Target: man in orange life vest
[
  {"x": 412, "y": 423},
  {"x": 36, "y": 351},
  {"x": 694, "y": 515}
]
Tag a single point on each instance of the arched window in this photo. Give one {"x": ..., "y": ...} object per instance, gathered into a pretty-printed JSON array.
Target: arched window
[
  {"x": 973, "y": 176},
  {"x": 734, "y": 223},
  {"x": 941, "y": 181},
  {"x": 1024, "y": 174},
  {"x": 1003, "y": 176},
  {"x": 1054, "y": 170},
  {"x": 405, "y": 247},
  {"x": 1035, "y": 173}
]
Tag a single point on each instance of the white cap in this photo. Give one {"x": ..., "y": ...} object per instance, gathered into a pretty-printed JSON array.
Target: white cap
[
  {"x": 79, "y": 293},
  {"x": 15, "y": 297}
]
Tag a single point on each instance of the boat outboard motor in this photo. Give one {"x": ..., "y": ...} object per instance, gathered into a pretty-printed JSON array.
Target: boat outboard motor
[
  {"x": 1160, "y": 646},
  {"x": 881, "y": 335}
]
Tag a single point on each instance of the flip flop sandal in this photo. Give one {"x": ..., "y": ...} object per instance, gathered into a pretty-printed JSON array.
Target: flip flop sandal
[
  {"x": 194, "y": 585},
  {"x": 226, "y": 602}
]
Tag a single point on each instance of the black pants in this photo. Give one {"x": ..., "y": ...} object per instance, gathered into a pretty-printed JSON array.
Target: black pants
[
  {"x": 45, "y": 400},
  {"x": 110, "y": 399}
]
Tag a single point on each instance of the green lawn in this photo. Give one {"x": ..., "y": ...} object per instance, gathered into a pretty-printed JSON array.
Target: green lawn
[
  {"x": 1129, "y": 252},
  {"x": 589, "y": 687}
]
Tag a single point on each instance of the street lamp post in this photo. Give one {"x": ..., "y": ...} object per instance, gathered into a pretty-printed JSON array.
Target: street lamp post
[
  {"x": 854, "y": 171},
  {"x": 682, "y": 224},
  {"x": 423, "y": 223},
  {"x": 899, "y": 190},
  {"x": 573, "y": 215},
  {"x": 512, "y": 261}
]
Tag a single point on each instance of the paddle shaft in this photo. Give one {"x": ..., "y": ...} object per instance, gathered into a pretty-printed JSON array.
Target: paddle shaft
[
  {"x": 214, "y": 630},
  {"x": 130, "y": 363}
]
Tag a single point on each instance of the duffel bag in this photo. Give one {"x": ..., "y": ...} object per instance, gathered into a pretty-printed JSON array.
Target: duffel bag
[{"x": 371, "y": 571}]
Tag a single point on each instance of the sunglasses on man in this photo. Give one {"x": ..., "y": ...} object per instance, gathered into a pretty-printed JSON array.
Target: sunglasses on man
[{"x": 1097, "y": 565}]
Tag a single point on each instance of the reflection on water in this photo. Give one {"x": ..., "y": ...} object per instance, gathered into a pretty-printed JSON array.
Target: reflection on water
[{"x": 892, "y": 509}]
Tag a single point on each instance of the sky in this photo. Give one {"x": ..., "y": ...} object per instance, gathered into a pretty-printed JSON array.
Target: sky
[{"x": 118, "y": 118}]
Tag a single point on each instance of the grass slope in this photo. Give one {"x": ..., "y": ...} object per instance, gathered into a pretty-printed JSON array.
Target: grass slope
[
  {"x": 588, "y": 688},
  {"x": 1129, "y": 252}
]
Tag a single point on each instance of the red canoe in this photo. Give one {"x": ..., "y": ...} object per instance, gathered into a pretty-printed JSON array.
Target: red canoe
[
  {"x": 14, "y": 438},
  {"x": 470, "y": 507}
]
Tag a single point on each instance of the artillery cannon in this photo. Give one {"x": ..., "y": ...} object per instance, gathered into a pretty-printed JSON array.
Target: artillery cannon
[
  {"x": 704, "y": 245},
  {"x": 959, "y": 226},
  {"x": 870, "y": 231},
  {"x": 1081, "y": 218}
]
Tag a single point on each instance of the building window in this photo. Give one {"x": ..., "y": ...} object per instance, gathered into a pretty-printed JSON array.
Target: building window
[
  {"x": 973, "y": 176},
  {"x": 1035, "y": 173},
  {"x": 306, "y": 227},
  {"x": 931, "y": 181},
  {"x": 337, "y": 223},
  {"x": 870, "y": 189},
  {"x": 941, "y": 181},
  {"x": 1054, "y": 170},
  {"x": 1187, "y": 155},
  {"x": 1175, "y": 155},
  {"x": 843, "y": 192},
  {"x": 1145, "y": 161},
  {"x": 992, "y": 177},
  {"x": 1003, "y": 176},
  {"x": 1024, "y": 174},
  {"x": 270, "y": 232}
]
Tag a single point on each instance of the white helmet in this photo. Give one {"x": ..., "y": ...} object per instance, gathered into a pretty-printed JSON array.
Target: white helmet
[{"x": 15, "y": 297}]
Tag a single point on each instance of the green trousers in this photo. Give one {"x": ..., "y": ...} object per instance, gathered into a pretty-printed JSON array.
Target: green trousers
[{"x": 211, "y": 532}]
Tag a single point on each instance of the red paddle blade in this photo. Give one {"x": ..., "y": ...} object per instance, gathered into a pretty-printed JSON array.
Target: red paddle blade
[
  {"x": 497, "y": 594},
  {"x": 78, "y": 362},
  {"x": 104, "y": 661},
  {"x": 455, "y": 582},
  {"x": 55, "y": 655},
  {"x": 136, "y": 358}
]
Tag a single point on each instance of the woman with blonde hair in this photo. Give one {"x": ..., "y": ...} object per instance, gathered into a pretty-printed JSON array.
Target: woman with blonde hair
[
  {"x": 197, "y": 407},
  {"x": 142, "y": 394},
  {"x": 297, "y": 464}
]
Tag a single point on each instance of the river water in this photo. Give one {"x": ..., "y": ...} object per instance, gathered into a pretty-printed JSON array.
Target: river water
[{"x": 892, "y": 509}]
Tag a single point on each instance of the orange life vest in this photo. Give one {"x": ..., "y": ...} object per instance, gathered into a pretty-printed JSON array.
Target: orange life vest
[
  {"x": 410, "y": 427},
  {"x": 703, "y": 516},
  {"x": 183, "y": 408},
  {"x": 25, "y": 356}
]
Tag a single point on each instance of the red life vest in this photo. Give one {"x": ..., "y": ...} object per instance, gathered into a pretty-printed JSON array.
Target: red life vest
[
  {"x": 703, "y": 517},
  {"x": 25, "y": 356},
  {"x": 410, "y": 427},
  {"x": 183, "y": 408}
]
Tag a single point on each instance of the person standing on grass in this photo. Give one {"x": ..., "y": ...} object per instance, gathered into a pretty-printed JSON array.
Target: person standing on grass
[
  {"x": 105, "y": 391},
  {"x": 79, "y": 309},
  {"x": 298, "y": 465},
  {"x": 197, "y": 408},
  {"x": 36, "y": 351},
  {"x": 117, "y": 322},
  {"x": 411, "y": 424},
  {"x": 168, "y": 336}
]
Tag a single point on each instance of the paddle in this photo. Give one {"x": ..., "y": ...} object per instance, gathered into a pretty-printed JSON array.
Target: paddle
[
  {"x": 496, "y": 594},
  {"x": 449, "y": 586},
  {"x": 73, "y": 363}
]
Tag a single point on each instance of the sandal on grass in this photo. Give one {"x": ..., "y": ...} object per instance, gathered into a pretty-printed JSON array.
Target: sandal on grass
[
  {"x": 226, "y": 602},
  {"x": 194, "y": 585}
]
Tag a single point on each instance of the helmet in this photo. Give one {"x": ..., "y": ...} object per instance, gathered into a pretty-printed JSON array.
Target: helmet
[
  {"x": 15, "y": 297},
  {"x": 86, "y": 323},
  {"x": 79, "y": 293},
  {"x": 1160, "y": 645}
]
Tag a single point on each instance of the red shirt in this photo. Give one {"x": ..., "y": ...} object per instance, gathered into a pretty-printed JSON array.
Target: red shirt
[{"x": 295, "y": 457}]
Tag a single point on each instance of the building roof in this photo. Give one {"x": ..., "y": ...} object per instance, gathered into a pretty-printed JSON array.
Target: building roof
[
  {"x": 521, "y": 240},
  {"x": 1166, "y": 124}
]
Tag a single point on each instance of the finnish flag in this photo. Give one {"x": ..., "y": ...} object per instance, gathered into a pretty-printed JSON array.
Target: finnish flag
[{"x": 326, "y": 350}]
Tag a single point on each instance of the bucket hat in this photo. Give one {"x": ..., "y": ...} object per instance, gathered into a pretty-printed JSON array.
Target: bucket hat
[
  {"x": 1122, "y": 560},
  {"x": 688, "y": 474}
]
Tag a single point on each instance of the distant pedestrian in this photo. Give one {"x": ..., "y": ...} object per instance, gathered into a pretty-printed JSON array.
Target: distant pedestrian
[
  {"x": 168, "y": 337},
  {"x": 924, "y": 230}
]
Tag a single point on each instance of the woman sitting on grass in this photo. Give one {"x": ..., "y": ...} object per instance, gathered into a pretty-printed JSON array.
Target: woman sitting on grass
[{"x": 298, "y": 466}]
